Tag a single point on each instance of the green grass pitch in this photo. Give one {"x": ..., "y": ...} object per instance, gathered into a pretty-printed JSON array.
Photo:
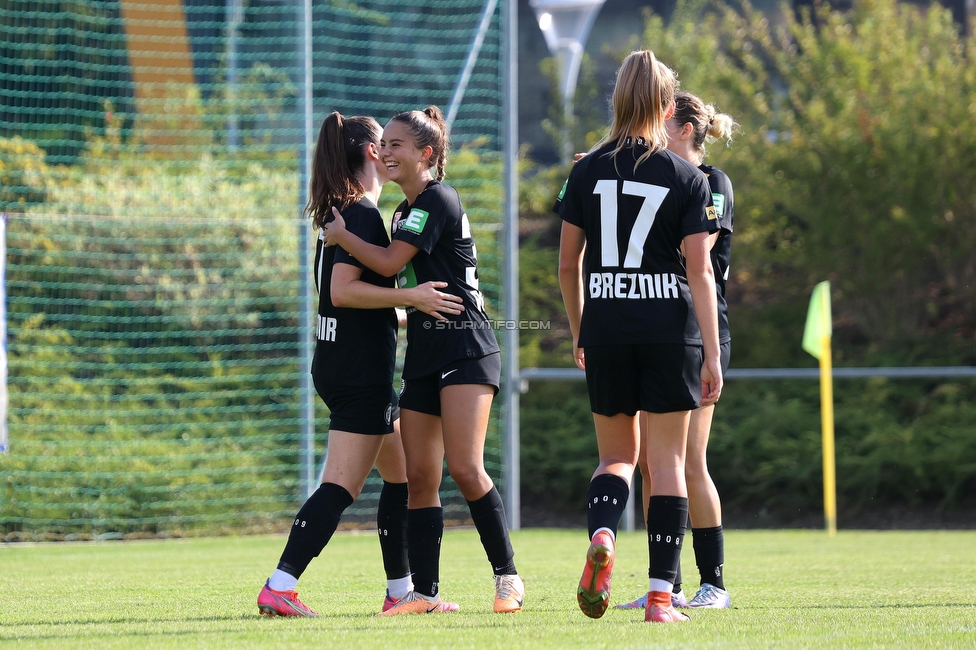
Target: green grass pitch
[{"x": 790, "y": 589}]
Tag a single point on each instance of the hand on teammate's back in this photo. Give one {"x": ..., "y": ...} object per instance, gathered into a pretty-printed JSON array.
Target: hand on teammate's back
[
  {"x": 430, "y": 300},
  {"x": 333, "y": 230}
]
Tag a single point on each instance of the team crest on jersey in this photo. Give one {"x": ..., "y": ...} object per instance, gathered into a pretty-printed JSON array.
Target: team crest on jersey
[
  {"x": 415, "y": 221},
  {"x": 389, "y": 413},
  {"x": 396, "y": 221},
  {"x": 719, "y": 201},
  {"x": 710, "y": 213}
]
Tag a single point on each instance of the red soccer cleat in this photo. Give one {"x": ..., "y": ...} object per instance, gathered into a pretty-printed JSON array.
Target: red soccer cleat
[{"x": 593, "y": 593}]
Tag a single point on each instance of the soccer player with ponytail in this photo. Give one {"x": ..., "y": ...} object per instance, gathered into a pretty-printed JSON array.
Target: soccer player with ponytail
[
  {"x": 693, "y": 124},
  {"x": 643, "y": 318},
  {"x": 452, "y": 370},
  {"x": 353, "y": 367}
]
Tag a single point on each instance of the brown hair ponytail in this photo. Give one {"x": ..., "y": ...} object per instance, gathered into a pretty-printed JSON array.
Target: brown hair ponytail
[{"x": 340, "y": 155}]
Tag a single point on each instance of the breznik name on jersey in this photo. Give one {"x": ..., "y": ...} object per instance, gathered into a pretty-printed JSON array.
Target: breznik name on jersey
[{"x": 633, "y": 286}]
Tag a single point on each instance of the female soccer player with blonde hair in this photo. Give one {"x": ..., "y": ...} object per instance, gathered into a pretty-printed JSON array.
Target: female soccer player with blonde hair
[{"x": 643, "y": 318}]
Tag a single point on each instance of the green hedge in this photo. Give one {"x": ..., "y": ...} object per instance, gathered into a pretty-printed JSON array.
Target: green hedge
[{"x": 899, "y": 444}]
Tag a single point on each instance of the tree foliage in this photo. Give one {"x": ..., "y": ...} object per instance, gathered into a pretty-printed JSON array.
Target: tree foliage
[{"x": 857, "y": 158}]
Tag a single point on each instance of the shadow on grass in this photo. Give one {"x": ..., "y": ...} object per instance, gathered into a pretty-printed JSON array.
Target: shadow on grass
[{"x": 906, "y": 606}]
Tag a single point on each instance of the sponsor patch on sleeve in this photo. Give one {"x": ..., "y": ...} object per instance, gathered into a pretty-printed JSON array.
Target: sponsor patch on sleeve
[
  {"x": 562, "y": 192},
  {"x": 416, "y": 220},
  {"x": 719, "y": 201},
  {"x": 710, "y": 213}
]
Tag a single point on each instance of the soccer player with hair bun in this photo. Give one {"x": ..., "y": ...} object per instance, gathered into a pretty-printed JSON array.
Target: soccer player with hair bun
[
  {"x": 352, "y": 368},
  {"x": 452, "y": 370},
  {"x": 639, "y": 290}
]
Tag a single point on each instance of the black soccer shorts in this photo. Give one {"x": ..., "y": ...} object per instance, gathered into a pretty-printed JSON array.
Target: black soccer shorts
[
  {"x": 658, "y": 378},
  {"x": 370, "y": 410},
  {"x": 423, "y": 394}
]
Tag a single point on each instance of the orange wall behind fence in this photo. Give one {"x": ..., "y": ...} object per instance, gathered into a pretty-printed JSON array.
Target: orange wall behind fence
[{"x": 162, "y": 69}]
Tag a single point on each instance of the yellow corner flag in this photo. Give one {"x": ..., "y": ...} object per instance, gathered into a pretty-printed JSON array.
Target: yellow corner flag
[
  {"x": 816, "y": 341},
  {"x": 818, "y": 320}
]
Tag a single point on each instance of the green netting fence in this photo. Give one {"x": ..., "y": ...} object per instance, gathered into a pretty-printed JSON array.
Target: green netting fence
[{"x": 150, "y": 178}]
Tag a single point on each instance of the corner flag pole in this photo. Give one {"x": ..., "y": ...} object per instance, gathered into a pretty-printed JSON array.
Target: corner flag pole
[
  {"x": 827, "y": 417},
  {"x": 816, "y": 341}
]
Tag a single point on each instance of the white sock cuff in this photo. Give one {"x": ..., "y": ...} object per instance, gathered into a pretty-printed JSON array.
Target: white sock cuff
[
  {"x": 661, "y": 585},
  {"x": 605, "y": 530},
  {"x": 399, "y": 587},
  {"x": 281, "y": 581}
]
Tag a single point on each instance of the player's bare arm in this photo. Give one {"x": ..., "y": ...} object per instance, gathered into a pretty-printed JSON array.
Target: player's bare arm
[
  {"x": 701, "y": 281},
  {"x": 348, "y": 290},
  {"x": 387, "y": 261},
  {"x": 571, "y": 244}
]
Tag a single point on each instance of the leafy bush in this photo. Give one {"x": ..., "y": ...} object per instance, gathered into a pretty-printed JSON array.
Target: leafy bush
[
  {"x": 897, "y": 442},
  {"x": 22, "y": 174},
  {"x": 559, "y": 450}
]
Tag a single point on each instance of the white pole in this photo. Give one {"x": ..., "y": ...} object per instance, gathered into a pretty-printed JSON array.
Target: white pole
[
  {"x": 306, "y": 406},
  {"x": 3, "y": 333},
  {"x": 234, "y": 13},
  {"x": 479, "y": 38},
  {"x": 511, "y": 381}
]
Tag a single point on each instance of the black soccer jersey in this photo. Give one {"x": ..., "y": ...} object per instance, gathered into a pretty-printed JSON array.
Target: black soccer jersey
[
  {"x": 635, "y": 285},
  {"x": 437, "y": 224},
  {"x": 724, "y": 201},
  {"x": 353, "y": 347}
]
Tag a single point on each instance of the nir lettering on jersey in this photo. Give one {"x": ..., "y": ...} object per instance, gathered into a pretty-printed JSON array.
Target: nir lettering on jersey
[
  {"x": 719, "y": 201},
  {"x": 415, "y": 221},
  {"x": 325, "y": 328},
  {"x": 633, "y": 286}
]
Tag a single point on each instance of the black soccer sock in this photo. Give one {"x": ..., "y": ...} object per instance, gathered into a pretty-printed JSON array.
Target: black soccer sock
[
  {"x": 605, "y": 502},
  {"x": 488, "y": 514},
  {"x": 313, "y": 527},
  {"x": 666, "y": 517},
  {"x": 709, "y": 546},
  {"x": 391, "y": 524},
  {"x": 425, "y": 527},
  {"x": 677, "y": 576}
]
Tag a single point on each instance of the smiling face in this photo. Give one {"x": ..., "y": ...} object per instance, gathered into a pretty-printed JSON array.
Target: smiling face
[{"x": 403, "y": 160}]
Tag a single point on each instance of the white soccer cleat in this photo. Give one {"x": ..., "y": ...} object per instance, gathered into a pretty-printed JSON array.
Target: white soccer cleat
[{"x": 710, "y": 597}]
